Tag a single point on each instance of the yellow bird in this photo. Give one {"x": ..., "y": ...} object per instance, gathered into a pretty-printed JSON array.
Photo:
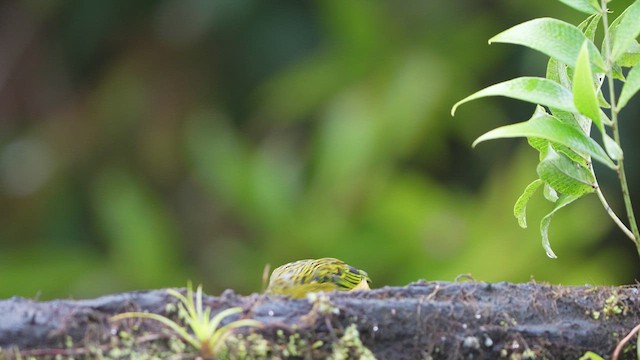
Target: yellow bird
[{"x": 298, "y": 278}]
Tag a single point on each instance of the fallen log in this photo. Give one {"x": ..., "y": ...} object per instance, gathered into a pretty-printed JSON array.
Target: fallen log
[{"x": 424, "y": 320}]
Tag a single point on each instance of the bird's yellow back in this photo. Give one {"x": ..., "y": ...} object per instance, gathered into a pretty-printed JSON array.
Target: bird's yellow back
[{"x": 297, "y": 278}]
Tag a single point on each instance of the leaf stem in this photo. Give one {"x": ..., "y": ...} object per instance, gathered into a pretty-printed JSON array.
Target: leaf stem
[
  {"x": 635, "y": 235},
  {"x": 613, "y": 215}
]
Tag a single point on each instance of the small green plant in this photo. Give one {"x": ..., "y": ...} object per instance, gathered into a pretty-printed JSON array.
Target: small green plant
[
  {"x": 590, "y": 355},
  {"x": 208, "y": 336},
  {"x": 569, "y": 101}
]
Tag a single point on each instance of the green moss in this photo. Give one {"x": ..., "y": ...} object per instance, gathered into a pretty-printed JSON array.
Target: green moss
[
  {"x": 322, "y": 304},
  {"x": 612, "y": 307},
  {"x": 350, "y": 346},
  {"x": 239, "y": 346}
]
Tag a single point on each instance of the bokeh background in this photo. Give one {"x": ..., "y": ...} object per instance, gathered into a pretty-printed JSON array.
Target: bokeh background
[{"x": 145, "y": 143}]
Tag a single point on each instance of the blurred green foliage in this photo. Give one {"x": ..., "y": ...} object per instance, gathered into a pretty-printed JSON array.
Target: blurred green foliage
[{"x": 144, "y": 143}]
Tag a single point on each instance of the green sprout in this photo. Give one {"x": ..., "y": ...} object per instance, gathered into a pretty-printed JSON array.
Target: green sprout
[
  {"x": 590, "y": 355},
  {"x": 570, "y": 101},
  {"x": 208, "y": 335}
]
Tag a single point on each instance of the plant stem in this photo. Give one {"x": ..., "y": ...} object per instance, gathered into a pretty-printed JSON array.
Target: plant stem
[
  {"x": 616, "y": 133},
  {"x": 613, "y": 215}
]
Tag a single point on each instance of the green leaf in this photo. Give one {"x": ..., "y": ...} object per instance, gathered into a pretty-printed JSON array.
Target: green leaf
[
  {"x": 563, "y": 201},
  {"x": 557, "y": 72},
  {"x": 531, "y": 89},
  {"x": 574, "y": 156},
  {"x": 617, "y": 72},
  {"x": 549, "y": 193},
  {"x": 605, "y": 119},
  {"x": 542, "y": 145},
  {"x": 602, "y": 102},
  {"x": 520, "y": 208},
  {"x": 552, "y": 37},
  {"x": 631, "y": 57},
  {"x": 590, "y": 25},
  {"x": 564, "y": 175},
  {"x": 630, "y": 87},
  {"x": 584, "y": 91},
  {"x": 585, "y": 6},
  {"x": 552, "y": 129},
  {"x": 590, "y": 355},
  {"x": 612, "y": 147},
  {"x": 627, "y": 30},
  {"x": 539, "y": 144}
]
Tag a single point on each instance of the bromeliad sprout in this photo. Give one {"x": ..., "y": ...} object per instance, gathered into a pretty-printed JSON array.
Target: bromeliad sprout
[{"x": 208, "y": 336}]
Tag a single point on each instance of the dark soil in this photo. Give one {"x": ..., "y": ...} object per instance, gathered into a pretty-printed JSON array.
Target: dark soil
[{"x": 438, "y": 320}]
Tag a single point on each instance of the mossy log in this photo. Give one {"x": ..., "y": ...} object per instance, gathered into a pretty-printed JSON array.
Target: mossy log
[{"x": 424, "y": 320}]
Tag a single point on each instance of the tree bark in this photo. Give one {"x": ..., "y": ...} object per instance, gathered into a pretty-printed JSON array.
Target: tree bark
[{"x": 438, "y": 320}]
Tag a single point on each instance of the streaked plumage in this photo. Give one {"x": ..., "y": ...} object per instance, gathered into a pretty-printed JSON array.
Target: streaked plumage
[{"x": 297, "y": 278}]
